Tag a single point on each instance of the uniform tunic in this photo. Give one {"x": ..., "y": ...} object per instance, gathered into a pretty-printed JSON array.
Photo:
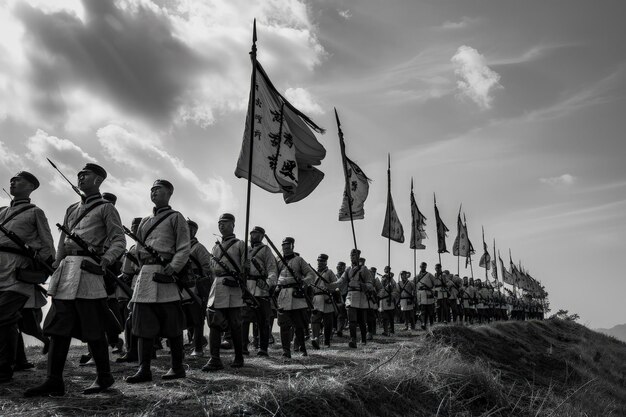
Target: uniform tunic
[
  {"x": 200, "y": 263},
  {"x": 407, "y": 293},
  {"x": 321, "y": 301},
  {"x": 227, "y": 296},
  {"x": 441, "y": 287},
  {"x": 130, "y": 268},
  {"x": 469, "y": 296},
  {"x": 388, "y": 294},
  {"x": 32, "y": 227},
  {"x": 259, "y": 282},
  {"x": 171, "y": 240},
  {"x": 288, "y": 284},
  {"x": 425, "y": 284},
  {"x": 359, "y": 281},
  {"x": 101, "y": 225}
]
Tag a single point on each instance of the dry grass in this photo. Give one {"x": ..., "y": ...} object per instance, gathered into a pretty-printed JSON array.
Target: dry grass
[{"x": 550, "y": 368}]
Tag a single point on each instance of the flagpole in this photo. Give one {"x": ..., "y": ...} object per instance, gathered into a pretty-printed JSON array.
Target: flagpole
[
  {"x": 495, "y": 266},
  {"x": 469, "y": 249},
  {"x": 437, "y": 225},
  {"x": 251, "y": 144},
  {"x": 458, "y": 249},
  {"x": 413, "y": 230},
  {"x": 389, "y": 219},
  {"x": 342, "y": 146},
  {"x": 484, "y": 245}
]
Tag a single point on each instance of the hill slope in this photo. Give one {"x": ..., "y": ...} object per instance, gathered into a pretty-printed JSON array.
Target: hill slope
[
  {"x": 618, "y": 332},
  {"x": 550, "y": 368}
]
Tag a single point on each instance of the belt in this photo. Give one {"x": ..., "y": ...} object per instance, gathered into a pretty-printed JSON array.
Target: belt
[
  {"x": 15, "y": 251},
  {"x": 74, "y": 252},
  {"x": 295, "y": 285},
  {"x": 354, "y": 289},
  {"x": 425, "y": 289},
  {"x": 255, "y": 277},
  {"x": 224, "y": 274}
]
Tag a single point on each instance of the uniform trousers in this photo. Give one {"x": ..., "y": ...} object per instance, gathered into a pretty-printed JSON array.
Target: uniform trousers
[
  {"x": 295, "y": 320},
  {"x": 11, "y": 303},
  {"x": 261, "y": 317},
  {"x": 320, "y": 319},
  {"x": 220, "y": 320},
  {"x": 428, "y": 314},
  {"x": 357, "y": 317},
  {"x": 388, "y": 321}
]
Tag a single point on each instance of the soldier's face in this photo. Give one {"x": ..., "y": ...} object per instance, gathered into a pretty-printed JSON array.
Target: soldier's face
[
  {"x": 160, "y": 196},
  {"x": 87, "y": 180},
  {"x": 340, "y": 268},
  {"x": 354, "y": 258},
  {"x": 256, "y": 237},
  {"x": 226, "y": 227},
  {"x": 20, "y": 187},
  {"x": 321, "y": 264},
  {"x": 287, "y": 248}
]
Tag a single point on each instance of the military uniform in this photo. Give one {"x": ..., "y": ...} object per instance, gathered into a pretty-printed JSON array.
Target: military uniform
[
  {"x": 387, "y": 296},
  {"x": 454, "y": 286},
  {"x": 425, "y": 284},
  {"x": 407, "y": 300},
  {"x": 29, "y": 223},
  {"x": 342, "y": 286},
  {"x": 469, "y": 300},
  {"x": 261, "y": 279},
  {"x": 372, "y": 312},
  {"x": 441, "y": 292},
  {"x": 323, "y": 309},
  {"x": 292, "y": 305},
  {"x": 130, "y": 271}
]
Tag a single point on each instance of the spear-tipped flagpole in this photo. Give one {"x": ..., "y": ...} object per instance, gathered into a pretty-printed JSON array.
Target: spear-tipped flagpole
[
  {"x": 484, "y": 246},
  {"x": 469, "y": 250},
  {"x": 7, "y": 193},
  {"x": 438, "y": 252},
  {"x": 389, "y": 220},
  {"x": 75, "y": 188},
  {"x": 414, "y": 229},
  {"x": 251, "y": 144},
  {"x": 458, "y": 249},
  {"x": 347, "y": 192}
]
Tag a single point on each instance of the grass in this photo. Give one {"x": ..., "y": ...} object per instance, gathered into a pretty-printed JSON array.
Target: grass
[{"x": 550, "y": 369}]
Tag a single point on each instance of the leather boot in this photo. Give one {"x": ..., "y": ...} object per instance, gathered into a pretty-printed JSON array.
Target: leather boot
[
  {"x": 8, "y": 351},
  {"x": 100, "y": 351},
  {"x": 57, "y": 355},
  {"x": 245, "y": 337},
  {"x": 285, "y": 341},
  {"x": 144, "y": 374},
  {"x": 176, "y": 348},
  {"x": 352, "y": 342},
  {"x": 300, "y": 339},
  {"x": 214, "y": 363},
  {"x": 237, "y": 346}
]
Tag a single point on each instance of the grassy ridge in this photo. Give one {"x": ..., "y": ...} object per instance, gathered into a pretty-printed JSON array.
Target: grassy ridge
[{"x": 550, "y": 368}]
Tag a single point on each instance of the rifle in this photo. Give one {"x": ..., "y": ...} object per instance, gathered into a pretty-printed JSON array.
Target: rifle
[
  {"x": 326, "y": 291},
  {"x": 309, "y": 302},
  {"x": 264, "y": 273},
  {"x": 246, "y": 295},
  {"x": 153, "y": 253},
  {"x": 7, "y": 193},
  {"x": 75, "y": 188},
  {"x": 108, "y": 274}
]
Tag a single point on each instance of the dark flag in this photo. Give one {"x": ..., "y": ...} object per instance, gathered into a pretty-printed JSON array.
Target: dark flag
[
  {"x": 462, "y": 245},
  {"x": 485, "y": 260},
  {"x": 285, "y": 149},
  {"x": 442, "y": 229},
  {"x": 418, "y": 224},
  {"x": 392, "y": 228}
]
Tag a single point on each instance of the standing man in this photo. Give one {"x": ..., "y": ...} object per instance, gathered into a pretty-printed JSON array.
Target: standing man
[
  {"x": 262, "y": 279},
  {"x": 323, "y": 309},
  {"x": 226, "y": 297},
  {"x": 455, "y": 288},
  {"x": 372, "y": 312},
  {"x": 157, "y": 305},
  {"x": 342, "y": 316},
  {"x": 387, "y": 296},
  {"x": 407, "y": 300},
  {"x": 441, "y": 292},
  {"x": 292, "y": 305},
  {"x": 359, "y": 282},
  {"x": 79, "y": 297},
  {"x": 29, "y": 223},
  {"x": 425, "y": 284}
]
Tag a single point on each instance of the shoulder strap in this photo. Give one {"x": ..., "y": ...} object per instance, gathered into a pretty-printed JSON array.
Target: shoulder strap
[
  {"x": 86, "y": 212},
  {"x": 225, "y": 248},
  {"x": 256, "y": 250},
  {"x": 16, "y": 212},
  {"x": 196, "y": 262},
  {"x": 158, "y": 222}
]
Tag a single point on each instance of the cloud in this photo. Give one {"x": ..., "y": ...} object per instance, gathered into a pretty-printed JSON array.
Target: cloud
[
  {"x": 462, "y": 24},
  {"x": 562, "y": 180},
  {"x": 346, "y": 14},
  {"x": 303, "y": 101},
  {"x": 476, "y": 80}
]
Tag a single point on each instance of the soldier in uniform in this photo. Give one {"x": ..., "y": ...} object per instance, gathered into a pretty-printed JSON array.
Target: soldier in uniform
[
  {"x": 387, "y": 296},
  {"x": 455, "y": 290},
  {"x": 482, "y": 298},
  {"x": 441, "y": 292},
  {"x": 200, "y": 272},
  {"x": 292, "y": 305},
  {"x": 29, "y": 223},
  {"x": 226, "y": 297},
  {"x": 407, "y": 300},
  {"x": 425, "y": 284},
  {"x": 359, "y": 282},
  {"x": 157, "y": 306},
  {"x": 372, "y": 312},
  {"x": 342, "y": 315},
  {"x": 261, "y": 279},
  {"x": 323, "y": 309},
  {"x": 130, "y": 271},
  {"x": 79, "y": 297}
]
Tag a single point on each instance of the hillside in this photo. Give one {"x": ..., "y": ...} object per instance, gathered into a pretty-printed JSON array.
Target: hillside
[
  {"x": 550, "y": 368},
  {"x": 618, "y": 332}
]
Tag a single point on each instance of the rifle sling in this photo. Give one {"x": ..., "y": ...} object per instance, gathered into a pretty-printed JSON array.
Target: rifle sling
[
  {"x": 84, "y": 213},
  {"x": 16, "y": 212},
  {"x": 156, "y": 223}
]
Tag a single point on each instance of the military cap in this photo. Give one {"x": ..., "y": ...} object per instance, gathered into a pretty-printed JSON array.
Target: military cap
[
  {"x": 423, "y": 264},
  {"x": 373, "y": 268},
  {"x": 163, "y": 183},
  {"x": 358, "y": 252},
  {"x": 258, "y": 229},
  {"x": 446, "y": 271},
  {"x": 362, "y": 260},
  {"x": 191, "y": 223},
  {"x": 28, "y": 177},
  {"x": 226, "y": 217},
  {"x": 477, "y": 280},
  {"x": 404, "y": 273},
  {"x": 110, "y": 197},
  {"x": 437, "y": 265},
  {"x": 323, "y": 257},
  {"x": 289, "y": 241},
  {"x": 342, "y": 263},
  {"x": 96, "y": 169},
  {"x": 136, "y": 221}
]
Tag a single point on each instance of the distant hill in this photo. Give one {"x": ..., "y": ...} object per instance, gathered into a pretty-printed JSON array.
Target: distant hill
[{"x": 618, "y": 332}]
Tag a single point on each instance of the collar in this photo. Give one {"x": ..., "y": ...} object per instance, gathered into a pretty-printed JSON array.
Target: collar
[
  {"x": 255, "y": 244},
  {"x": 290, "y": 256},
  {"x": 227, "y": 238},
  {"x": 321, "y": 271},
  {"x": 19, "y": 202},
  {"x": 160, "y": 210},
  {"x": 90, "y": 198},
  {"x": 193, "y": 241}
]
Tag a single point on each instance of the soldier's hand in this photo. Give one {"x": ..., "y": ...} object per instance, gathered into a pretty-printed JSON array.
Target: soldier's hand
[
  {"x": 168, "y": 270},
  {"x": 104, "y": 263}
]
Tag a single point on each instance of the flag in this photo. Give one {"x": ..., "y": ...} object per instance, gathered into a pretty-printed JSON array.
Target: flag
[
  {"x": 462, "y": 245},
  {"x": 392, "y": 228},
  {"x": 485, "y": 260},
  {"x": 357, "y": 184},
  {"x": 418, "y": 224},
  {"x": 442, "y": 229},
  {"x": 506, "y": 275},
  {"x": 285, "y": 150},
  {"x": 494, "y": 265}
]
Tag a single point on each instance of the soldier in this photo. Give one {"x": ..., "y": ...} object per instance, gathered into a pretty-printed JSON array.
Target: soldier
[
  {"x": 28, "y": 222},
  {"x": 157, "y": 305},
  {"x": 425, "y": 284},
  {"x": 130, "y": 271},
  {"x": 79, "y": 297},
  {"x": 323, "y": 309},
  {"x": 201, "y": 277},
  {"x": 359, "y": 281},
  {"x": 342, "y": 315},
  {"x": 407, "y": 300},
  {"x": 292, "y": 303},
  {"x": 441, "y": 292},
  {"x": 226, "y": 297},
  {"x": 387, "y": 296},
  {"x": 482, "y": 298},
  {"x": 455, "y": 287},
  {"x": 261, "y": 280},
  {"x": 372, "y": 312}
]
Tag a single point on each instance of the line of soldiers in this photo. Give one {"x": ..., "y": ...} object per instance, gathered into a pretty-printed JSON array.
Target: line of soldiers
[{"x": 168, "y": 282}]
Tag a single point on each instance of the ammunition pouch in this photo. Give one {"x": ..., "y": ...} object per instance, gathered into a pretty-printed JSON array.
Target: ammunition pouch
[
  {"x": 31, "y": 276},
  {"x": 91, "y": 267},
  {"x": 230, "y": 282},
  {"x": 163, "y": 278}
]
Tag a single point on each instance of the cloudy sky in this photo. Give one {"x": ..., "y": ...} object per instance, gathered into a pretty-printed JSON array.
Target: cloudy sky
[{"x": 514, "y": 109}]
